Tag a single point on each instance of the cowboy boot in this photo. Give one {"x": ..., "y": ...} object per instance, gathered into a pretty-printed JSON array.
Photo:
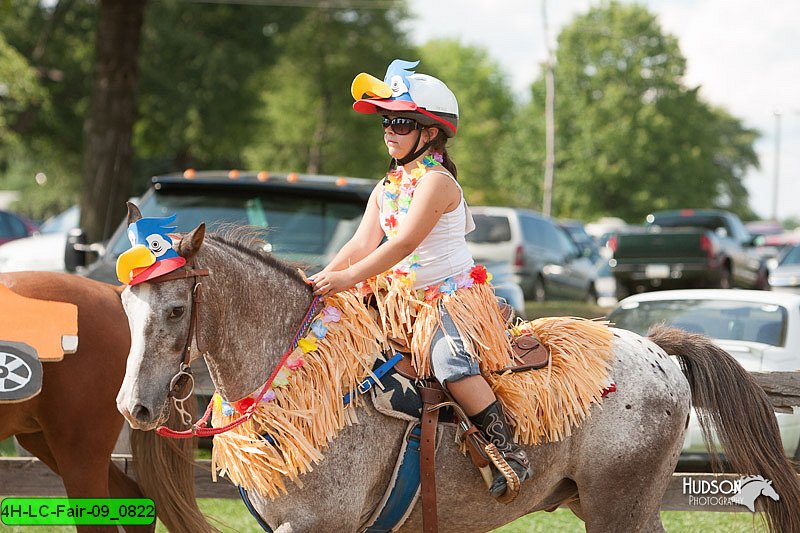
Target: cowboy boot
[{"x": 492, "y": 422}]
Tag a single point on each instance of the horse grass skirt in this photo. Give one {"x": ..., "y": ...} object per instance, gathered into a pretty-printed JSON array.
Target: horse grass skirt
[{"x": 304, "y": 411}]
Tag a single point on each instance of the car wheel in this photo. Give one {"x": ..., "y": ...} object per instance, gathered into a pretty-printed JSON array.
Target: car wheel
[
  {"x": 539, "y": 290},
  {"x": 762, "y": 281},
  {"x": 724, "y": 278},
  {"x": 796, "y": 457},
  {"x": 591, "y": 296}
]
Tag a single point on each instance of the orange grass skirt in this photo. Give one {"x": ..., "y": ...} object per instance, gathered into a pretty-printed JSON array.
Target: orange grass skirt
[{"x": 308, "y": 413}]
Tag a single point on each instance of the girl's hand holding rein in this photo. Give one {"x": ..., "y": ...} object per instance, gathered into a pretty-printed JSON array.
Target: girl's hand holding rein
[{"x": 328, "y": 283}]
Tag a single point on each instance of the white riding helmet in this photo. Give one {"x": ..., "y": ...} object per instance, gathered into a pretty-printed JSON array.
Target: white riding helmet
[{"x": 402, "y": 91}]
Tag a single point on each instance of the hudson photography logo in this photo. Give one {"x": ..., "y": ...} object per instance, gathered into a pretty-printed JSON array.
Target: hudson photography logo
[{"x": 743, "y": 491}]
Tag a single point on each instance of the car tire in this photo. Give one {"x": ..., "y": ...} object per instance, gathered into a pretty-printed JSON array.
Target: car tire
[
  {"x": 539, "y": 292},
  {"x": 762, "y": 280},
  {"x": 796, "y": 457},
  {"x": 591, "y": 296},
  {"x": 724, "y": 281}
]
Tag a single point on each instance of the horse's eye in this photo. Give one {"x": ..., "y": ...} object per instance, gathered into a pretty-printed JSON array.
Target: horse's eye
[{"x": 176, "y": 312}]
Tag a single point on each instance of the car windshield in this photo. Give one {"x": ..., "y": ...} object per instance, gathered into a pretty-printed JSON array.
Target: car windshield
[
  {"x": 490, "y": 229},
  {"x": 719, "y": 319},
  {"x": 577, "y": 232},
  {"x": 304, "y": 229},
  {"x": 62, "y": 222},
  {"x": 792, "y": 256}
]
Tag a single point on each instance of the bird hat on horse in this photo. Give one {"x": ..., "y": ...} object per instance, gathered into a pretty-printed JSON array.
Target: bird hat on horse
[{"x": 612, "y": 470}]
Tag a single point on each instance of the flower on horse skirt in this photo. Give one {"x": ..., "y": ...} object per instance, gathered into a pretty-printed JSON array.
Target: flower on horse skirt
[
  {"x": 331, "y": 314},
  {"x": 319, "y": 329}
]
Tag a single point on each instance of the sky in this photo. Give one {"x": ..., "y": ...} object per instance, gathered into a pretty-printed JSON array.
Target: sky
[{"x": 744, "y": 55}]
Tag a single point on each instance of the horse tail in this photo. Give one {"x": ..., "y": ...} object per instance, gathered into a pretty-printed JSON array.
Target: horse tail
[
  {"x": 165, "y": 473},
  {"x": 729, "y": 401}
]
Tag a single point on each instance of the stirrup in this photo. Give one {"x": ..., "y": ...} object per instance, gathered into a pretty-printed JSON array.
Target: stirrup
[
  {"x": 513, "y": 483},
  {"x": 480, "y": 448}
]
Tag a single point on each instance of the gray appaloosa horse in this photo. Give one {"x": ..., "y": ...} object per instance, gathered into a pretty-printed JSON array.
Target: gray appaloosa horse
[{"x": 612, "y": 472}]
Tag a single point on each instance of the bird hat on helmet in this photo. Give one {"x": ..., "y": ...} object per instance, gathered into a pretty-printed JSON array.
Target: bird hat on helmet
[{"x": 404, "y": 92}]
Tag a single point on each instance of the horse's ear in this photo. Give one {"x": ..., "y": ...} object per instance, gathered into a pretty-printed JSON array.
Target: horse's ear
[
  {"x": 190, "y": 244},
  {"x": 133, "y": 213}
]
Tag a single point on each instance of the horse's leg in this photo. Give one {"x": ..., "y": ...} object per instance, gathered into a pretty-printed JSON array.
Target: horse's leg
[
  {"x": 654, "y": 525},
  {"x": 627, "y": 454},
  {"x": 37, "y": 445},
  {"x": 122, "y": 486}
]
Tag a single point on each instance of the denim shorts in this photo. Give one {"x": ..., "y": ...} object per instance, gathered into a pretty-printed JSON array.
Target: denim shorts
[{"x": 450, "y": 361}]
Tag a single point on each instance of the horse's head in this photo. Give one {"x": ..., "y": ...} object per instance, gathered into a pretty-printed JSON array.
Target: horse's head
[{"x": 159, "y": 316}]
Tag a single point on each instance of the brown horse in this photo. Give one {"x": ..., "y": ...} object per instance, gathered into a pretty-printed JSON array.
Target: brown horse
[{"x": 72, "y": 425}]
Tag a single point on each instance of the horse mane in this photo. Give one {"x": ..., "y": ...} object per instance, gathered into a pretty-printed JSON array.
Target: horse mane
[{"x": 251, "y": 241}]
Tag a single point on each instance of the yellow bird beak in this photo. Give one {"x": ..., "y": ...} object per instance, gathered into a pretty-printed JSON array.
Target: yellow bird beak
[
  {"x": 368, "y": 86},
  {"x": 137, "y": 258}
]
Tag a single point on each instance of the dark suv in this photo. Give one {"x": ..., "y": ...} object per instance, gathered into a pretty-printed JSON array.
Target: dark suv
[{"x": 307, "y": 218}]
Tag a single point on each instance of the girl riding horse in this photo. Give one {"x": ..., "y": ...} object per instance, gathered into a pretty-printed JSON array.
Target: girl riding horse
[{"x": 424, "y": 270}]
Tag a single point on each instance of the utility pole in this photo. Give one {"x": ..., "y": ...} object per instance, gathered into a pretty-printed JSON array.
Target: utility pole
[
  {"x": 549, "y": 112},
  {"x": 777, "y": 114}
]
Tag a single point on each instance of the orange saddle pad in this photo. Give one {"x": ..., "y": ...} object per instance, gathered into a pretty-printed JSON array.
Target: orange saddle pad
[{"x": 49, "y": 327}]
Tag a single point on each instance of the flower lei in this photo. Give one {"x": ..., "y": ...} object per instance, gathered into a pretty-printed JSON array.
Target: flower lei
[
  {"x": 398, "y": 191},
  {"x": 305, "y": 345}
]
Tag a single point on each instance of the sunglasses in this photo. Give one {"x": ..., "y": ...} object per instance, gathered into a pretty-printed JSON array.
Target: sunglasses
[{"x": 400, "y": 125}]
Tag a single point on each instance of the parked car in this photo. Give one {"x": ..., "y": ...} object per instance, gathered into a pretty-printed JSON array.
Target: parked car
[
  {"x": 760, "y": 329},
  {"x": 14, "y": 226},
  {"x": 505, "y": 288},
  {"x": 688, "y": 249},
  {"x": 306, "y": 218},
  {"x": 546, "y": 262},
  {"x": 43, "y": 250},
  {"x": 586, "y": 243},
  {"x": 785, "y": 277},
  {"x": 605, "y": 286},
  {"x": 764, "y": 227}
]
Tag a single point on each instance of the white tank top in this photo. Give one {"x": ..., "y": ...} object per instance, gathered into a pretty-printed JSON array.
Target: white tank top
[{"x": 443, "y": 253}]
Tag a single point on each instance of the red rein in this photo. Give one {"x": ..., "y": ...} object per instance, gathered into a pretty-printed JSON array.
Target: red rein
[{"x": 198, "y": 429}]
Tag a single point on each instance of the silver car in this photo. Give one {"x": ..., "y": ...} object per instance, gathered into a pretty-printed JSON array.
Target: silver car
[
  {"x": 786, "y": 276},
  {"x": 546, "y": 262},
  {"x": 760, "y": 329}
]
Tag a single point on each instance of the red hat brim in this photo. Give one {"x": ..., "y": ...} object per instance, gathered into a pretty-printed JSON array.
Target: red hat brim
[
  {"x": 369, "y": 106},
  {"x": 159, "y": 268}
]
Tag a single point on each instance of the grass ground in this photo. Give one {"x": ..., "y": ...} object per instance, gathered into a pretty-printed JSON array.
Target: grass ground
[
  {"x": 231, "y": 516},
  {"x": 564, "y": 308}
]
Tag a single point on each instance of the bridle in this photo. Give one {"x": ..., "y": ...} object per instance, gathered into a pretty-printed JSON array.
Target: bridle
[{"x": 184, "y": 374}]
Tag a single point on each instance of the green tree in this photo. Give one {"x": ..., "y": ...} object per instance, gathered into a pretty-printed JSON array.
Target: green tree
[
  {"x": 19, "y": 90},
  {"x": 630, "y": 136},
  {"x": 307, "y": 121},
  {"x": 519, "y": 170},
  {"x": 200, "y": 90},
  {"x": 486, "y": 110},
  {"x": 56, "y": 40}
]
